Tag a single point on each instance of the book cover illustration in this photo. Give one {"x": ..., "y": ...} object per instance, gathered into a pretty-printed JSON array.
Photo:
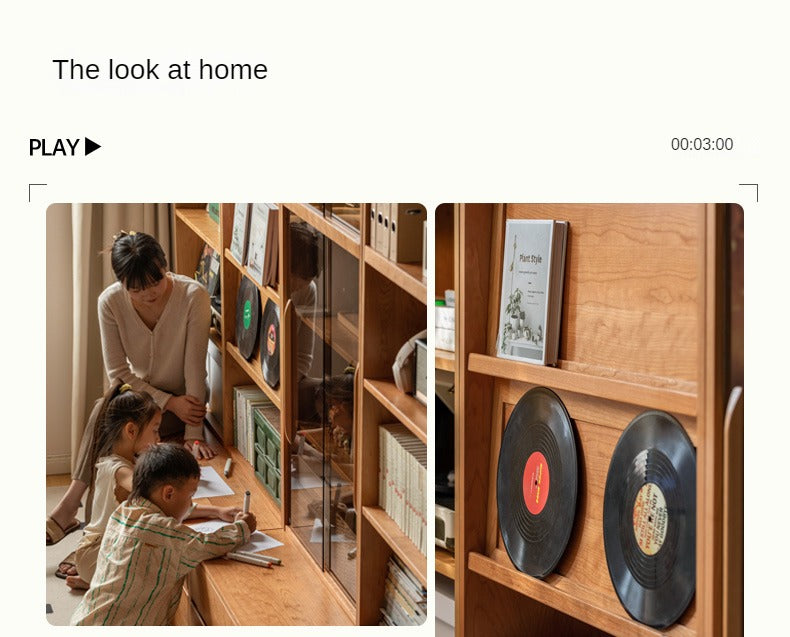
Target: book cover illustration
[
  {"x": 241, "y": 227},
  {"x": 525, "y": 290},
  {"x": 256, "y": 247}
]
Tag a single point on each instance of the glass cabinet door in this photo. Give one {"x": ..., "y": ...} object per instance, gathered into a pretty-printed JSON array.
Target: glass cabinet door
[{"x": 324, "y": 284}]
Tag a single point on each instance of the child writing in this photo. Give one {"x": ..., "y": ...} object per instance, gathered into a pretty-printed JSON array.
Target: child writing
[
  {"x": 146, "y": 551},
  {"x": 128, "y": 424}
]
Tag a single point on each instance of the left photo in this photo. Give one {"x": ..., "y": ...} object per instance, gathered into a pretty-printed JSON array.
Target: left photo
[{"x": 236, "y": 414}]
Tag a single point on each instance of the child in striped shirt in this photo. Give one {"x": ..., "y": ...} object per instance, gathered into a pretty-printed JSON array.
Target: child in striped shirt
[{"x": 146, "y": 551}]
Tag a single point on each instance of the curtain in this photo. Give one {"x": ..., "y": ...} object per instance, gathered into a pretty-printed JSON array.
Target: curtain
[{"x": 92, "y": 230}]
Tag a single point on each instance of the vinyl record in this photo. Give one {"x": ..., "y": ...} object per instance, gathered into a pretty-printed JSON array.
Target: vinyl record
[
  {"x": 649, "y": 519},
  {"x": 536, "y": 484},
  {"x": 248, "y": 311},
  {"x": 270, "y": 343}
]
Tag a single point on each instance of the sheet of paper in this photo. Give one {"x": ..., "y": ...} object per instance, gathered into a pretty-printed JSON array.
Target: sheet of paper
[
  {"x": 211, "y": 484},
  {"x": 258, "y": 542},
  {"x": 307, "y": 476},
  {"x": 317, "y": 534}
]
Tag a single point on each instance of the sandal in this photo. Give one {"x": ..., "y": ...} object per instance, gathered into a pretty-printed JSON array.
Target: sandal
[
  {"x": 69, "y": 560},
  {"x": 55, "y": 532}
]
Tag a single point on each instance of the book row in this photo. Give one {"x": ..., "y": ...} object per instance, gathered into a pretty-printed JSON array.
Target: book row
[{"x": 402, "y": 481}]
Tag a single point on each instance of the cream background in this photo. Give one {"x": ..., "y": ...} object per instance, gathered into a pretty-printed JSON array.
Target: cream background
[{"x": 567, "y": 101}]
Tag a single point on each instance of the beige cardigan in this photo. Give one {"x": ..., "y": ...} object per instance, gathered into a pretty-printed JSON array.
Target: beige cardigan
[{"x": 168, "y": 360}]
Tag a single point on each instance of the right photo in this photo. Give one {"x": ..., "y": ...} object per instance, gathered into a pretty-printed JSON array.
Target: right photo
[{"x": 589, "y": 418}]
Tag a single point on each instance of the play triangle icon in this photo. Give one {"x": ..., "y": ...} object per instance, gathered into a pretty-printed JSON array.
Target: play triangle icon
[{"x": 90, "y": 146}]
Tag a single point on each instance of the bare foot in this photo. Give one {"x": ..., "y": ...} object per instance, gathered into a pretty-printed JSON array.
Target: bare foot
[{"x": 76, "y": 583}]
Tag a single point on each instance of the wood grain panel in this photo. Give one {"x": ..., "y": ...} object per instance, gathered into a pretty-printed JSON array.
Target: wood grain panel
[{"x": 630, "y": 296}]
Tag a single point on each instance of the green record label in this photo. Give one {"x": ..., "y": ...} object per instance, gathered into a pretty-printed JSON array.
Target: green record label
[{"x": 247, "y": 316}]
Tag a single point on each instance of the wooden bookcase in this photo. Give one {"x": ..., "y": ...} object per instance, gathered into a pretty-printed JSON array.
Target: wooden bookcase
[
  {"x": 643, "y": 327},
  {"x": 392, "y": 308}
]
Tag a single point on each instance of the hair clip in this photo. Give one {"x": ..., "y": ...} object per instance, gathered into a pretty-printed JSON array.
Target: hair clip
[
  {"x": 124, "y": 388},
  {"x": 123, "y": 233}
]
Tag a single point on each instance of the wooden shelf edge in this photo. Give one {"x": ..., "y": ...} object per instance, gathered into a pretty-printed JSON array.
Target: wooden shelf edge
[
  {"x": 398, "y": 541},
  {"x": 667, "y": 399},
  {"x": 198, "y": 220},
  {"x": 337, "y": 234},
  {"x": 265, "y": 290},
  {"x": 408, "y": 410},
  {"x": 547, "y": 592},
  {"x": 445, "y": 562},
  {"x": 445, "y": 360},
  {"x": 254, "y": 374},
  {"x": 398, "y": 274}
]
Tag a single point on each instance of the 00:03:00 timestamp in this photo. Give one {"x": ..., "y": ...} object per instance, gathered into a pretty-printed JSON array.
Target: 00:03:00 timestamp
[{"x": 702, "y": 143}]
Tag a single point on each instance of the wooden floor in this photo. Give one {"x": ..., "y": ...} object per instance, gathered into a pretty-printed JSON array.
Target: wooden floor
[{"x": 297, "y": 593}]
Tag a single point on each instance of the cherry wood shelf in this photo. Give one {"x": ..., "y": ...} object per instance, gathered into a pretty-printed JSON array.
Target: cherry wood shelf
[
  {"x": 398, "y": 541},
  {"x": 445, "y": 360},
  {"x": 265, "y": 290},
  {"x": 407, "y": 276},
  {"x": 335, "y": 232},
  {"x": 198, "y": 220},
  {"x": 408, "y": 410},
  {"x": 339, "y": 337},
  {"x": 254, "y": 372},
  {"x": 674, "y": 397},
  {"x": 445, "y": 562},
  {"x": 556, "y": 591}
]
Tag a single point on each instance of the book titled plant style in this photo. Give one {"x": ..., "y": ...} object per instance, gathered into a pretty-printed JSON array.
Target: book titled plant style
[{"x": 531, "y": 299}]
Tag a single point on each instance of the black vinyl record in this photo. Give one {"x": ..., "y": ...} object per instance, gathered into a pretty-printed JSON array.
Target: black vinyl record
[
  {"x": 270, "y": 343},
  {"x": 248, "y": 311},
  {"x": 649, "y": 519},
  {"x": 537, "y": 476}
]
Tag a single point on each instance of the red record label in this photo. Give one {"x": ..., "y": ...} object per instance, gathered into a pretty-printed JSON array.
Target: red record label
[
  {"x": 271, "y": 340},
  {"x": 536, "y": 482}
]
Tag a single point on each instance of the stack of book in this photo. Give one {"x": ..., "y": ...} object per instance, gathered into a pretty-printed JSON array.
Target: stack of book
[
  {"x": 402, "y": 481},
  {"x": 254, "y": 241},
  {"x": 245, "y": 399},
  {"x": 396, "y": 231},
  {"x": 404, "y": 597}
]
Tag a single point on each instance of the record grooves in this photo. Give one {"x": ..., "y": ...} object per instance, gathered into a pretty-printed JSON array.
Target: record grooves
[
  {"x": 537, "y": 476},
  {"x": 248, "y": 311},
  {"x": 650, "y": 519}
]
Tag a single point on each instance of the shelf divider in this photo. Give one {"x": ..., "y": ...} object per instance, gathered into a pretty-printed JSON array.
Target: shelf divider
[
  {"x": 398, "y": 541},
  {"x": 254, "y": 372},
  {"x": 201, "y": 224},
  {"x": 407, "y": 276},
  {"x": 408, "y": 410},
  {"x": 677, "y": 398},
  {"x": 570, "y": 598},
  {"x": 445, "y": 562}
]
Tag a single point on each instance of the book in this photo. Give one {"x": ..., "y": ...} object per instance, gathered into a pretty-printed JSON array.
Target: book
[
  {"x": 256, "y": 243},
  {"x": 240, "y": 232},
  {"x": 271, "y": 261},
  {"x": 531, "y": 300},
  {"x": 213, "y": 211}
]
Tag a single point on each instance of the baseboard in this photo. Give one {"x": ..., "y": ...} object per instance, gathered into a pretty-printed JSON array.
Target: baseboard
[{"x": 58, "y": 464}]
